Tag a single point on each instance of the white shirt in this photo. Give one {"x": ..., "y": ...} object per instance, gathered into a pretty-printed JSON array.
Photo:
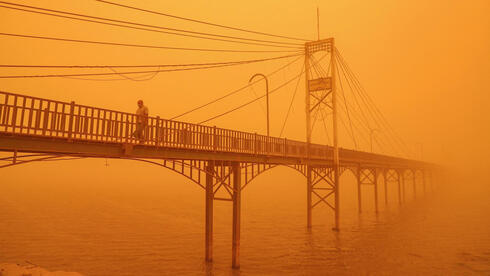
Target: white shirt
[{"x": 141, "y": 113}]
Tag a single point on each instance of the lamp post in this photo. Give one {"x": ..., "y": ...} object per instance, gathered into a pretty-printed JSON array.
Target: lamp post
[
  {"x": 371, "y": 132},
  {"x": 266, "y": 95}
]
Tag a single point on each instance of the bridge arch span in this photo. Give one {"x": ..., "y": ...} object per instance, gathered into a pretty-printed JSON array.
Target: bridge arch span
[
  {"x": 247, "y": 168},
  {"x": 192, "y": 170}
]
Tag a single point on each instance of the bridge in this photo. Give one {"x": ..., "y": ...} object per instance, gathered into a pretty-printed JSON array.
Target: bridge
[{"x": 220, "y": 161}]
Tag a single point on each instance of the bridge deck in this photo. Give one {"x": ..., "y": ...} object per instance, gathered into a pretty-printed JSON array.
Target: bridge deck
[{"x": 31, "y": 124}]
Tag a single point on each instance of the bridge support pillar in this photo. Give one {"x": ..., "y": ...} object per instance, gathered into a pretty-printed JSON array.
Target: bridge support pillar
[
  {"x": 402, "y": 178},
  {"x": 367, "y": 176},
  {"x": 321, "y": 186},
  {"x": 414, "y": 181},
  {"x": 431, "y": 182},
  {"x": 236, "y": 215},
  {"x": 399, "y": 180},
  {"x": 393, "y": 176},
  {"x": 309, "y": 208},
  {"x": 336, "y": 177},
  {"x": 359, "y": 201},
  {"x": 423, "y": 182},
  {"x": 385, "y": 182},
  {"x": 375, "y": 176},
  {"x": 209, "y": 211}
]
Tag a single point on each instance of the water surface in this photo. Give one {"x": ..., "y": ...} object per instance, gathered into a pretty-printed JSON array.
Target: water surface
[{"x": 101, "y": 222}]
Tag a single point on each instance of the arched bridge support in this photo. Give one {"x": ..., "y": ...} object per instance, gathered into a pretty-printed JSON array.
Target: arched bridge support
[
  {"x": 383, "y": 172},
  {"x": 224, "y": 183},
  {"x": 419, "y": 178},
  {"x": 409, "y": 175},
  {"x": 393, "y": 176},
  {"x": 367, "y": 176}
]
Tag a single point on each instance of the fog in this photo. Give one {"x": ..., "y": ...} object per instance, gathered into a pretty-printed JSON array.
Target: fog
[{"x": 425, "y": 64}]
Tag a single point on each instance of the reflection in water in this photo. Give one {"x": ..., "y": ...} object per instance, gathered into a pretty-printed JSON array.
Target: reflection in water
[{"x": 110, "y": 227}]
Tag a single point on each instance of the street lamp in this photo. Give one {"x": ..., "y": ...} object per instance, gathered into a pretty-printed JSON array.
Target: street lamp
[
  {"x": 371, "y": 132},
  {"x": 266, "y": 95}
]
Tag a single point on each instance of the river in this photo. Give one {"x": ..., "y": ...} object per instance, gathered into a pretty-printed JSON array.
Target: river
[{"x": 106, "y": 223}]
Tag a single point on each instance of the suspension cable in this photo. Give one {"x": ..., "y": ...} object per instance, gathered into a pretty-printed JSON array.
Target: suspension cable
[
  {"x": 232, "y": 92},
  {"x": 200, "y": 21},
  {"x": 142, "y": 27},
  {"x": 134, "y": 72}
]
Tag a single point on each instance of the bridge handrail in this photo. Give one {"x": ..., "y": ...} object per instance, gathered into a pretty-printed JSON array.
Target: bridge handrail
[{"x": 28, "y": 115}]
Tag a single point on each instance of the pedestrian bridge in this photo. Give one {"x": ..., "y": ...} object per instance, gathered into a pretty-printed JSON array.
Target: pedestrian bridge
[{"x": 221, "y": 161}]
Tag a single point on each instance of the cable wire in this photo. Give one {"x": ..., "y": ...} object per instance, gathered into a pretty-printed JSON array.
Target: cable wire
[
  {"x": 346, "y": 108},
  {"x": 345, "y": 101},
  {"x": 250, "y": 102},
  {"x": 139, "y": 24},
  {"x": 395, "y": 136},
  {"x": 231, "y": 93},
  {"x": 132, "y": 66},
  {"x": 148, "y": 25},
  {"x": 137, "y": 72},
  {"x": 202, "y": 22},
  {"x": 291, "y": 104},
  {"x": 324, "y": 119},
  {"x": 145, "y": 46},
  {"x": 152, "y": 75},
  {"x": 356, "y": 85},
  {"x": 360, "y": 117}
]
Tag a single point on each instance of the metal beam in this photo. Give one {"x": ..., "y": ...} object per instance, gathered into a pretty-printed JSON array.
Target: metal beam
[
  {"x": 52, "y": 145},
  {"x": 359, "y": 202},
  {"x": 236, "y": 215},
  {"x": 209, "y": 211},
  {"x": 309, "y": 206},
  {"x": 375, "y": 172}
]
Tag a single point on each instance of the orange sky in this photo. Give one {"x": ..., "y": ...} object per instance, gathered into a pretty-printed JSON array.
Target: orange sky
[{"x": 425, "y": 63}]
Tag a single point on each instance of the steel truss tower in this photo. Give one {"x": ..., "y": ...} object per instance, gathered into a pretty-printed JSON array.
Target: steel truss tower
[{"x": 321, "y": 96}]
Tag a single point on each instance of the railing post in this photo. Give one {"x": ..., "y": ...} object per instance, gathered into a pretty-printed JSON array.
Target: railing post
[
  {"x": 3, "y": 110},
  {"x": 70, "y": 123},
  {"x": 266, "y": 145},
  {"x": 14, "y": 114},
  {"x": 255, "y": 143},
  {"x": 157, "y": 131},
  {"x": 285, "y": 147},
  {"x": 215, "y": 139},
  {"x": 46, "y": 118}
]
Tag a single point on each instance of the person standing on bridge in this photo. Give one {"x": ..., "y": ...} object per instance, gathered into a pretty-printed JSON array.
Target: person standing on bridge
[{"x": 141, "y": 121}]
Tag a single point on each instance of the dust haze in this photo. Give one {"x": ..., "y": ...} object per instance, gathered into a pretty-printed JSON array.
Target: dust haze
[{"x": 426, "y": 65}]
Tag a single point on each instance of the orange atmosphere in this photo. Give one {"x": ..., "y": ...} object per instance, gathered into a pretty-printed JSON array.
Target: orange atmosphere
[{"x": 411, "y": 83}]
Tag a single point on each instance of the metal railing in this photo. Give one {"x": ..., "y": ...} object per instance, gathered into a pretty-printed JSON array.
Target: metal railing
[{"x": 26, "y": 115}]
